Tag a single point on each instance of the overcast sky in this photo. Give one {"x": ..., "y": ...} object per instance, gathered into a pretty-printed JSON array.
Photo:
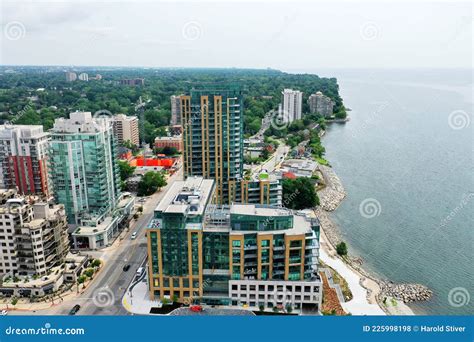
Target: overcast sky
[{"x": 286, "y": 35}]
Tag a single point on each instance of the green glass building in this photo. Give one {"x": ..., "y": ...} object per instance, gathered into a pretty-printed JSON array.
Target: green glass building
[
  {"x": 83, "y": 166},
  {"x": 248, "y": 255}
]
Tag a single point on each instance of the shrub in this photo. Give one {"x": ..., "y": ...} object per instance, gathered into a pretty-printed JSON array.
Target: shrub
[{"x": 341, "y": 248}]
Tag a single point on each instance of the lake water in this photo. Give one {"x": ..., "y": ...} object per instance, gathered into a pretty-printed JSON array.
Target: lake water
[{"x": 406, "y": 161}]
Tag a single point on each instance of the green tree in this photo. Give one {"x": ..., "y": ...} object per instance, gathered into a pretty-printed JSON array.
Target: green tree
[
  {"x": 299, "y": 193},
  {"x": 96, "y": 263},
  {"x": 150, "y": 183},
  {"x": 125, "y": 169},
  {"x": 341, "y": 248},
  {"x": 168, "y": 150}
]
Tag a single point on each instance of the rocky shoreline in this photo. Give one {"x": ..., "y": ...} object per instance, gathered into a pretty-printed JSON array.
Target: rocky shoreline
[{"x": 330, "y": 197}]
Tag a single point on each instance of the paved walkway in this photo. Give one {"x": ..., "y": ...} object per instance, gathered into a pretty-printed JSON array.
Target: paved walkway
[
  {"x": 138, "y": 300},
  {"x": 359, "y": 304}
]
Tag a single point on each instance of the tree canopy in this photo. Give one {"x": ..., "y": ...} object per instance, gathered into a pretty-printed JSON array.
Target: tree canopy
[
  {"x": 299, "y": 193},
  {"x": 150, "y": 183}
]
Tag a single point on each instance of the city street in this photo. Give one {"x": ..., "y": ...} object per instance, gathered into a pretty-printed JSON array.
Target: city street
[
  {"x": 104, "y": 295},
  {"x": 276, "y": 159}
]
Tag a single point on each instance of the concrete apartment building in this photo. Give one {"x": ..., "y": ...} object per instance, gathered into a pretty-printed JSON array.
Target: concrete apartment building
[
  {"x": 240, "y": 255},
  {"x": 291, "y": 105},
  {"x": 83, "y": 77},
  {"x": 133, "y": 82},
  {"x": 24, "y": 159},
  {"x": 213, "y": 142},
  {"x": 34, "y": 258},
  {"x": 175, "y": 110},
  {"x": 33, "y": 236},
  {"x": 126, "y": 129},
  {"x": 70, "y": 76},
  {"x": 321, "y": 104}
]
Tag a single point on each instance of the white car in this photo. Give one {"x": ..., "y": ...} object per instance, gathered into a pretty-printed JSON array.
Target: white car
[
  {"x": 3, "y": 313},
  {"x": 134, "y": 236}
]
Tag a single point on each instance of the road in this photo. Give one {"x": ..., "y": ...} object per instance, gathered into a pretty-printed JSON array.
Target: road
[
  {"x": 276, "y": 159},
  {"x": 266, "y": 121},
  {"x": 103, "y": 296}
]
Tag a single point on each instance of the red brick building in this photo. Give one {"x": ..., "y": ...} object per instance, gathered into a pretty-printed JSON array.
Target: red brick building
[
  {"x": 23, "y": 159},
  {"x": 176, "y": 142}
]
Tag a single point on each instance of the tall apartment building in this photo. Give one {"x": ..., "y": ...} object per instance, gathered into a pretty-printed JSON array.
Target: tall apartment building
[
  {"x": 321, "y": 104},
  {"x": 213, "y": 139},
  {"x": 133, "y": 82},
  {"x": 242, "y": 254},
  {"x": 33, "y": 235},
  {"x": 292, "y": 103},
  {"x": 24, "y": 159},
  {"x": 71, "y": 76},
  {"x": 175, "y": 110},
  {"x": 83, "y": 77},
  {"x": 84, "y": 170},
  {"x": 213, "y": 146},
  {"x": 126, "y": 129}
]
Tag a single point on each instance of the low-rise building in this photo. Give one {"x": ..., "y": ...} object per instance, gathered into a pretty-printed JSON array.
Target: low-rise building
[
  {"x": 99, "y": 231},
  {"x": 174, "y": 141},
  {"x": 239, "y": 254},
  {"x": 299, "y": 167}
]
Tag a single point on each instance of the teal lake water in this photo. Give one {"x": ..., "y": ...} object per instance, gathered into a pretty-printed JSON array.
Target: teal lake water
[{"x": 401, "y": 155}]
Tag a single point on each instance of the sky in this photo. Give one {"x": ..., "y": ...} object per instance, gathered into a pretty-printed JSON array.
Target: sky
[{"x": 285, "y": 35}]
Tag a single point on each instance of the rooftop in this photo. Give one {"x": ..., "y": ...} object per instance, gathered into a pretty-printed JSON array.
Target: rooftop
[{"x": 190, "y": 195}]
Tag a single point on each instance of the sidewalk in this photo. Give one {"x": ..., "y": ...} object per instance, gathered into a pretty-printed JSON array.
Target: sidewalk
[
  {"x": 138, "y": 302},
  {"x": 359, "y": 305}
]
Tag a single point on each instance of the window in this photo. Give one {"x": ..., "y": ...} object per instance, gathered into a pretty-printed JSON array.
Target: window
[{"x": 235, "y": 243}]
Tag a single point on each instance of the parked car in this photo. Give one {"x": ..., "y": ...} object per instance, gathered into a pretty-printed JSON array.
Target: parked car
[
  {"x": 74, "y": 309},
  {"x": 126, "y": 267},
  {"x": 3, "y": 313},
  {"x": 134, "y": 235}
]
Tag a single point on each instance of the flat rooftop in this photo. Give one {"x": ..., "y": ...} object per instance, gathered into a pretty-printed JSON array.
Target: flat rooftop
[
  {"x": 301, "y": 221},
  {"x": 252, "y": 209},
  {"x": 185, "y": 196}
]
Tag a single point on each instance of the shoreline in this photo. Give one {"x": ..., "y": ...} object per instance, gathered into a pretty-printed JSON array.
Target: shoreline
[{"x": 373, "y": 290}]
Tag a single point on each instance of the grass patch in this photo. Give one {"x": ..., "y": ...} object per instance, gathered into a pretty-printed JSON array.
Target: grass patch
[
  {"x": 322, "y": 161},
  {"x": 338, "y": 279}
]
